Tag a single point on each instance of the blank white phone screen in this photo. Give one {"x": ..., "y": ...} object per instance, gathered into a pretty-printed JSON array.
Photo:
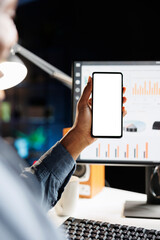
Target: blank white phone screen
[{"x": 107, "y": 105}]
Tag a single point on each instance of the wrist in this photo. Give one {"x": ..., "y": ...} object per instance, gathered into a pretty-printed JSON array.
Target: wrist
[{"x": 74, "y": 142}]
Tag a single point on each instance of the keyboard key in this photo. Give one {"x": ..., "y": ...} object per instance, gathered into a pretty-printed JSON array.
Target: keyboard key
[
  {"x": 88, "y": 225},
  {"x": 140, "y": 230},
  {"x": 91, "y": 222},
  {"x": 124, "y": 227},
  {"x": 95, "y": 227},
  {"x": 85, "y": 229},
  {"x": 152, "y": 231},
  {"x": 106, "y": 224}
]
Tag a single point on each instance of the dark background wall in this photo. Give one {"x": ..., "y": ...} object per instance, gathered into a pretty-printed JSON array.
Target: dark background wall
[
  {"x": 90, "y": 30},
  {"x": 61, "y": 32}
]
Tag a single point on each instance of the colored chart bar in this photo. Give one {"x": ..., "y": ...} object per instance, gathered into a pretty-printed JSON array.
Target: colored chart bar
[
  {"x": 108, "y": 150},
  {"x": 148, "y": 88},
  {"x": 146, "y": 155},
  {"x": 137, "y": 151},
  {"x": 116, "y": 151},
  {"x": 127, "y": 151},
  {"x": 96, "y": 152},
  {"x": 99, "y": 150}
]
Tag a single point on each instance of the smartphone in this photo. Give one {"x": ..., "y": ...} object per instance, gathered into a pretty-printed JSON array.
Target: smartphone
[{"x": 107, "y": 101}]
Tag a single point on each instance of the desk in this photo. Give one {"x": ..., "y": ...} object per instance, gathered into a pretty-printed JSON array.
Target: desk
[{"x": 108, "y": 206}]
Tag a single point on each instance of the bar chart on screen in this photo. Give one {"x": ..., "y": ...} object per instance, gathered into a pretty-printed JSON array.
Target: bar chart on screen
[
  {"x": 144, "y": 94},
  {"x": 150, "y": 88},
  {"x": 118, "y": 150}
]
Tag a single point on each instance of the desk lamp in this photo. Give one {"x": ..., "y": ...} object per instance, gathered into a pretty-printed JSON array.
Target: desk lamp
[{"x": 13, "y": 71}]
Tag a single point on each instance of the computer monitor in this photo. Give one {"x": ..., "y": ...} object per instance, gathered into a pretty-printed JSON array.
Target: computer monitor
[{"x": 140, "y": 144}]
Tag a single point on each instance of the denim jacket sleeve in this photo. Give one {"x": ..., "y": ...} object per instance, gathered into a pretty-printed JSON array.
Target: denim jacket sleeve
[{"x": 53, "y": 171}]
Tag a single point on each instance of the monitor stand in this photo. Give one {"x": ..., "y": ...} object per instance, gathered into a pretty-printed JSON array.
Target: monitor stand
[{"x": 150, "y": 208}]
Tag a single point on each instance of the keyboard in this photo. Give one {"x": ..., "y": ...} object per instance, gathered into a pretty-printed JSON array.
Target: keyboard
[{"x": 85, "y": 229}]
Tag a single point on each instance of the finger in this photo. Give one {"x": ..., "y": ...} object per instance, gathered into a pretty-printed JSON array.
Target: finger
[
  {"x": 124, "y": 90},
  {"x": 124, "y": 111},
  {"x": 124, "y": 99},
  {"x": 90, "y": 101},
  {"x": 87, "y": 91}
]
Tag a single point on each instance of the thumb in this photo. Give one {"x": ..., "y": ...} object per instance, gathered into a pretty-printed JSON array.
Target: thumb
[{"x": 87, "y": 91}]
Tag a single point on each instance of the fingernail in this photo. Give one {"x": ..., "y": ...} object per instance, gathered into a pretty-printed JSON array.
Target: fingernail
[{"x": 89, "y": 79}]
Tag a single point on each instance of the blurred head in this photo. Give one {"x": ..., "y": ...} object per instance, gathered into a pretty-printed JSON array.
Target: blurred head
[{"x": 8, "y": 31}]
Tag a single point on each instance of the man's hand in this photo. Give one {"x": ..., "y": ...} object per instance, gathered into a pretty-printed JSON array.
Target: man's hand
[
  {"x": 83, "y": 118},
  {"x": 79, "y": 137}
]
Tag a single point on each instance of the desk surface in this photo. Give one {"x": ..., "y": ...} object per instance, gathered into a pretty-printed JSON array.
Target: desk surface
[{"x": 108, "y": 206}]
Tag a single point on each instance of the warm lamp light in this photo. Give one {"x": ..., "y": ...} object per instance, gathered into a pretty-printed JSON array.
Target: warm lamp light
[{"x": 12, "y": 72}]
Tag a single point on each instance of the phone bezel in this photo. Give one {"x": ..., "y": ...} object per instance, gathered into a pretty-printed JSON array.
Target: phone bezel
[{"x": 98, "y": 136}]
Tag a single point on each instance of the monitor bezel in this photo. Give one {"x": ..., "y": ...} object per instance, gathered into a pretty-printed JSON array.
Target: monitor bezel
[{"x": 110, "y": 162}]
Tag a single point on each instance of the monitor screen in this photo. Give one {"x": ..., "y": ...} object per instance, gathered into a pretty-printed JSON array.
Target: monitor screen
[{"x": 141, "y": 126}]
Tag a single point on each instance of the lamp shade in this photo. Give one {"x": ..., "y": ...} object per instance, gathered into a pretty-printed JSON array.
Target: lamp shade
[{"x": 12, "y": 72}]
